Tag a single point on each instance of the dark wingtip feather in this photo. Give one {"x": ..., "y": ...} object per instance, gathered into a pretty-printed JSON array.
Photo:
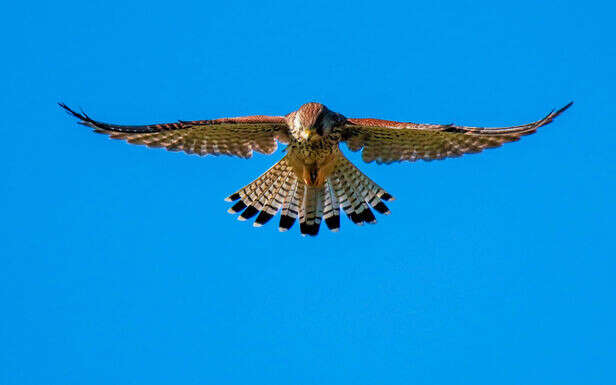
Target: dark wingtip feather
[
  {"x": 563, "y": 109},
  {"x": 85, "y": 119},
  {"x": 550, "y": 117},
  {"x": 73, "y": 113}
]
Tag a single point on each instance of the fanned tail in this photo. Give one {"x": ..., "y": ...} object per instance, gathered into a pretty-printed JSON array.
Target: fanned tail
[{"x": 279, "y": 188}]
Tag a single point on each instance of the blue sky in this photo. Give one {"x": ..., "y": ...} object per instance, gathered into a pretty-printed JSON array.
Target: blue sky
[{"x": 120, "y": 264}]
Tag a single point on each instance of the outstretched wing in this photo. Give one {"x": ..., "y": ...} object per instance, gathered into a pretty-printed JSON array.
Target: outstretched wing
[
  {"x": 386, "y": 141},
  {"x": 229, "y": 136}
]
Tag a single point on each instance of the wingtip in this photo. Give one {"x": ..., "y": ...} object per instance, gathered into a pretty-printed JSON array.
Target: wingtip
[
  {"x": 554, "y": 114},
  {"x": 565, "y": 107},
  {"x": 69, "y": 111},
  {"x": 84, "y": 119},
  {"x": 549, "y": 118}
]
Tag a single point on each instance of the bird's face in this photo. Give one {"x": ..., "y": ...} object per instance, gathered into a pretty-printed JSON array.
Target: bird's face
[{"x": 314, "y": 121}]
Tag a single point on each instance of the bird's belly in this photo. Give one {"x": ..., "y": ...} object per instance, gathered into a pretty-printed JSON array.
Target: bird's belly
[{"x": 313, "y": 165}]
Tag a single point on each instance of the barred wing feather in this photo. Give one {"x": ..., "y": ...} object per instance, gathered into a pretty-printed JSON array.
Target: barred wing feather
[
  {"x": 229, "y": 136},
  {"x": 388, "y": 141}
]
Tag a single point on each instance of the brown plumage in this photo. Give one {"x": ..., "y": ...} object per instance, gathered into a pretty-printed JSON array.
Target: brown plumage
[{"x": 315, "y": 181}]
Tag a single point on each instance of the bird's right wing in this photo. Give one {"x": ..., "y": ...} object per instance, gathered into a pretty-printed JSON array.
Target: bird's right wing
[{"x": 228, "y": 136}]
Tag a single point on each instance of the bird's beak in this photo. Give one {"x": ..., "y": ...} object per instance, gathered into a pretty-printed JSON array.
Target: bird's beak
[
  {"x": 312, "y": 134},
  {"x": 307, "y": 134}
]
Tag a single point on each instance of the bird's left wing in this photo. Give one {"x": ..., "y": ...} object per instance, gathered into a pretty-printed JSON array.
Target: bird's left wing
[
  {"x": 387, "y": 141},
  {"x": 228, "y": 136}
]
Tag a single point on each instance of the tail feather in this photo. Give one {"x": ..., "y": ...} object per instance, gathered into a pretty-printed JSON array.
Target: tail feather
[
  {"x": 254, "y": 196},
  {"x": 290, "y": 207},
  {"x": 355, "y": 208},
  {"x": 244, "y": 193},
  {"x": 279, "y": 189},
  {"x": 373, "y": 193},
  {"x": 319, "y": 214},
  {"x": 289, "y": 197},
  {"x": 302, "y": 211},
  {"x": 273, "y": 202},
  {"x": 331, "y": 207},
  {"x": 263, "y": 194},
  {"x": 311, "y": 211},
  {"x": 361, "y": 195},
  {"x": 341, "y": 193},
  {"x": 251, "y": 192},
  {"x": 306, "y": 211}
]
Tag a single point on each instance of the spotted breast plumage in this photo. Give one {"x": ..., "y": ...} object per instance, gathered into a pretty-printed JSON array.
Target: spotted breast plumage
[{"x": 314, "y": 181}]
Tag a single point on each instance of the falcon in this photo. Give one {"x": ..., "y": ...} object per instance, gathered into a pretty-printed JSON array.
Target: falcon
[{"x": 314, "y": 181}]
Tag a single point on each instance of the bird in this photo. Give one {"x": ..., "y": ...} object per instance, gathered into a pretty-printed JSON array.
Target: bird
[{"x": 314, "y": 181}]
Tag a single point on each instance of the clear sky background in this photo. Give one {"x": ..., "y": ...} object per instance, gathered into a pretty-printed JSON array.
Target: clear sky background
[{"x": 120, "y": 265}]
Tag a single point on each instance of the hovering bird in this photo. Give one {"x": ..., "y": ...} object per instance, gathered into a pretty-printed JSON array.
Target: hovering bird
[{"x": 314, "y": 180}]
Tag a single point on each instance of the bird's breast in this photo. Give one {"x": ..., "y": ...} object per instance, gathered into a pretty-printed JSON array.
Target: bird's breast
[{"x": 313, "y": 163}]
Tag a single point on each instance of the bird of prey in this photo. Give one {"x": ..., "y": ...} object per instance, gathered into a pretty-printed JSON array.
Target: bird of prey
[{"x": 314, "y": 180}]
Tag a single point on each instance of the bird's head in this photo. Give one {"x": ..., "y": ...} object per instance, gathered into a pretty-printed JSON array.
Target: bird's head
[{"x": 313, "y": 121}]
